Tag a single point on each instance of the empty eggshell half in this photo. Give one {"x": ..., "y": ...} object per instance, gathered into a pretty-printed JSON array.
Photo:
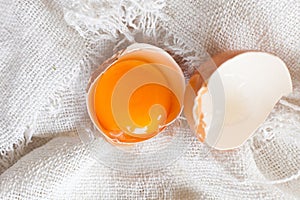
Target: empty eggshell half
[{"x": 252, "y": 83}]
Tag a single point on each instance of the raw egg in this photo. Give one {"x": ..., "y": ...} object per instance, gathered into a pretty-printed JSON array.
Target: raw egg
[
  {"x": 139, "y": 94},
  {"x": 227, "y": 108}
]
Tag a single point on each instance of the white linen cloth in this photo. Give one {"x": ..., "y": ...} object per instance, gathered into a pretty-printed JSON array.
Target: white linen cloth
[{"x": 47, "y": 47}]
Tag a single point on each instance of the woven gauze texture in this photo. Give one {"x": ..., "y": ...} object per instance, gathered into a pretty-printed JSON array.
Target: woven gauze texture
[{"x": 48, "y": 49}]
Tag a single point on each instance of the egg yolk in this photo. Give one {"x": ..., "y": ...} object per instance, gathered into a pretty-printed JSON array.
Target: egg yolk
[{"x": 150, "y": 106}]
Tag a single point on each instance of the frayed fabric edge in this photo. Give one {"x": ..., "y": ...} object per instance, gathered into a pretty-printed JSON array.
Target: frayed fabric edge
[
  {"x": 15, "y": 150},
  {"x": 10, "y": 154},
  {"x": 123, "y": 22}
]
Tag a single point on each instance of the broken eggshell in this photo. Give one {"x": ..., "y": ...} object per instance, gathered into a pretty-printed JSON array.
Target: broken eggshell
[
  {"x": 114, "y": 104},
  {"x": 227, "y": 108}
]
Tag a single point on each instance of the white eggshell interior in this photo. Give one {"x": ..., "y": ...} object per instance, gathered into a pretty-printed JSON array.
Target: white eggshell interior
[{"x": 253, "y": 82}]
